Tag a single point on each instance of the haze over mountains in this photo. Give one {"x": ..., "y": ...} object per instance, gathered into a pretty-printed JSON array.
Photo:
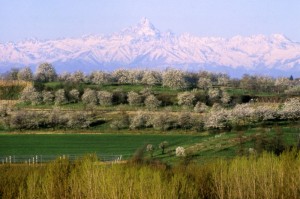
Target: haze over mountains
[{"x": 144, "y": 46}]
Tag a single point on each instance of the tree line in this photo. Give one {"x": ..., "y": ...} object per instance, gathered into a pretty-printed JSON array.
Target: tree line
[
  {"x": 203, "y": 118},
  {"x": 172, "y": 78}
]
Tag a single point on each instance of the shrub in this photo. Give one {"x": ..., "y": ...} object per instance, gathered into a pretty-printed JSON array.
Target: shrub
[
  {"x": 290, "y": 109},
  {"x": 134, "y": 99},
  {"x": 22, "y": 120},
  {"x": 185, "y": 120},
  {"x": 151, "y": 102},
  {"x": 45, "y": 73},
  {"x": 89, "y": 97},
  {"x": 140, "y": 120},
  {"x": 217, "y": 120},
  {"x": 100, "y": 77},
  {"x": 204, "y": 83},
  {"x": 74, "y": 95},
  {"x": 163, "y": 145},
  {"x": 60, "y": 97},
  {"x": 121, "y": 123},
  {"x": 214, "y": 94},
  {"x": 175, "y": 79},
  {"x": 180, "y": 151},
  {"x": 150, "y": 148},
  {"x": 200, "y": 108},
  {"x": 105, "y": 98},
  {"x": 79, "y": 120},
  {"x": 48, "y": 97},
  {"x": 25, "y": 74},
  {"x": 186, "y": 99},
  {"x": 163, "y": 121},
  {"x": 151, "y": 78},
  {"x": 30, "y": 96}
]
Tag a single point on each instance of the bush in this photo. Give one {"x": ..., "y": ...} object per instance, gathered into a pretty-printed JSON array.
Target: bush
[
  {"x": 121, "y": 123},
  {"x": 105, "y": 98},
  {"x": 151, "y": 102},
  {"x": 140, "y": 120},
  {"x": 79, "y": 120},
  {"x": 48, "y": 97},
  {"x": 186, "y": 99},
  {"x": 163, "y": 121},
  {"x": 74, "y": 96},
  {"x": 30, "y": 96},
  {"x": 175, "y": 79},
  {"x": 180, "y": 151},
  {"x": 60, "y": 97},
  {"x": 200, "y": 108},
  {"x": 89, "y": 97},
  {"x": 134, "y": 99}
]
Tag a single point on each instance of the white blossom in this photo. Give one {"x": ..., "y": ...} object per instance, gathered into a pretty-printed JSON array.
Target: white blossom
[
  {"x": 216, "y": 120},
  {"x": 175, "y": 79},
  {"x": 204, "y": 83},
  {"x": 45, "y": 73},
  {"x": 186, "y": 98},
  {"x": 74, "y": 95},
  {"x": 105, "y": 98},
  {"x": 48, "y": 97},
  {"x": 100, "y": 77},
  {"x": 60, "y": 97},
  {"x": 151, "y": 78},
  {"x": 25, "y": 74},
  {"x": 200, "y": 108},
  {"x": 242, "y": 113},
  {"x": 134, "y": 99},
  {"x": 290, "y": 109},
  {"x": 139, "y": 120},
  {"x": 180, "y": 151},
  {"x": 152, "y": 102},
  {"x": 214, "y": 94},
  {"x": 89, "y": 97},
  {"x": 30, "y": 95}
]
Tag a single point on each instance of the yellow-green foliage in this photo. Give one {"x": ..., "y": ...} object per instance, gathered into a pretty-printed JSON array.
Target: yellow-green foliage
[
  {"x": 267, "y": 176},
  {"x": 14, "y": 83}
]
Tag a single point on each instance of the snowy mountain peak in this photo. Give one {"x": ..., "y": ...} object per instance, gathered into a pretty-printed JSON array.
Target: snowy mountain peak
[
  {"x": 145, "y": 22},
  {"x": 145, "y": 46},
  {"x": 280, "y": 38},
  {"x": 143, "y": 28}
]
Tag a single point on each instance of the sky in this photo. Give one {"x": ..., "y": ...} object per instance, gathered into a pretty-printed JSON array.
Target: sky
[{"x": 52, "y": 19}]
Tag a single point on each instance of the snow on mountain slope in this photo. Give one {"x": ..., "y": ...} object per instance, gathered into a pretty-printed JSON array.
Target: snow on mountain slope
[{"x": 145, "y": 46}]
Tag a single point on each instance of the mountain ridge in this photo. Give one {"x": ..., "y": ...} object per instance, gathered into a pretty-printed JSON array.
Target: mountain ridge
[{"x": 144, "y": 46}]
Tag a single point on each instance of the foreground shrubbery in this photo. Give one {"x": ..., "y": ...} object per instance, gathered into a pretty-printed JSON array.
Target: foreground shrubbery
[{"x": 267, "y": 176}]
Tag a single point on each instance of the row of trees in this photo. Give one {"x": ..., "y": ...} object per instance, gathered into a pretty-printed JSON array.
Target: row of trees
[
  {"x": 105, "y": 98},
  {"x": 172, "y": 78},
  {"x": 55, "y": 119},
  {"x": 216, "y": 118}
]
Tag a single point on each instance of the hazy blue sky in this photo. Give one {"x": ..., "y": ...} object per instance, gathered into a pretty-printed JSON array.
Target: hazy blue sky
[{"x": 50, "y": 19}]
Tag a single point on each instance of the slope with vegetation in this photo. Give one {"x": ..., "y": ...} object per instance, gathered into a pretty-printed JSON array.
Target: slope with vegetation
[{"x": 131, "y": 101}]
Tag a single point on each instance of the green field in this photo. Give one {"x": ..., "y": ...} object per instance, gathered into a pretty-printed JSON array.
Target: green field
[
  {"x": 204, "y": 145},
  {"x": 107, "y": 144}
]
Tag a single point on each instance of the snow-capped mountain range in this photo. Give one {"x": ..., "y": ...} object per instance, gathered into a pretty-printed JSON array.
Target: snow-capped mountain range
[{"x": 144, "y": 46}]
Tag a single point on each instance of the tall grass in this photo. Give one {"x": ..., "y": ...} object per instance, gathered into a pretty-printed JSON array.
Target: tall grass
[{"x": 266, "y": 176}]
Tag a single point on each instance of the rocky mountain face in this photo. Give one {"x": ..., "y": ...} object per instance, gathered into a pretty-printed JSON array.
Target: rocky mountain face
[{"x": 144, "y": 46}]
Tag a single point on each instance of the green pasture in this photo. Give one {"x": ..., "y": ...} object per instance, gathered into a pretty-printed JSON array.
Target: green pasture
[
  {"x": 108, "y": 144},
  {"x": 204, "y": 145}
]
